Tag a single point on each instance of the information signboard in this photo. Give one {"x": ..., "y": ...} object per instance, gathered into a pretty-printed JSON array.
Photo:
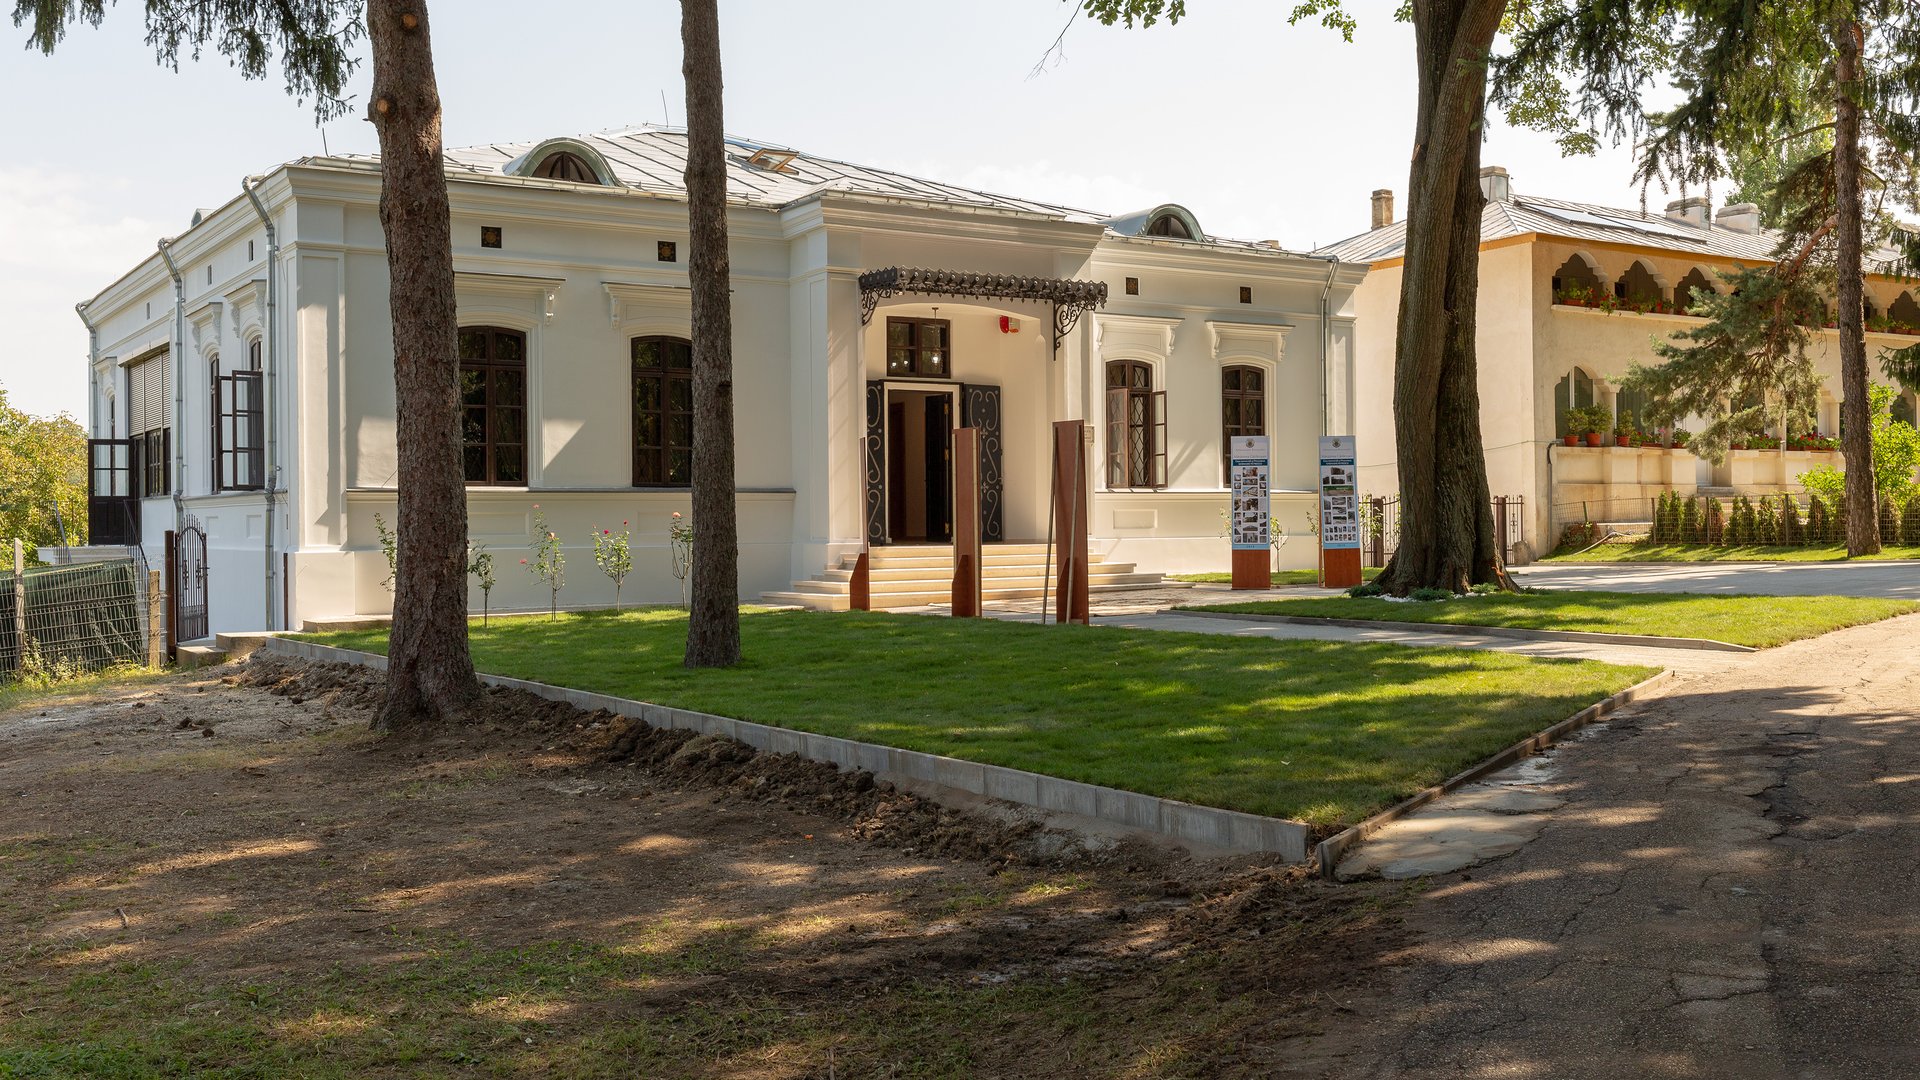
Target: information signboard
[
  {"x": 1249, "y": 511},
  {"x": 1339, "y": 512}
]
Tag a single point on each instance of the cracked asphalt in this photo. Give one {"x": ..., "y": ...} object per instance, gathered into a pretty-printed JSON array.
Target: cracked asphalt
[{"x": 1728, "y": 890}]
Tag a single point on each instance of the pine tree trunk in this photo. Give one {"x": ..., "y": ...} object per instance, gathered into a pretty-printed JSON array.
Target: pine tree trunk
[
  {"x": 713, "y": 620},
  {"x": 429, "y": 673},
  {"x": 1446, "y": 523},
  {"x": 1856, "y": 442}
]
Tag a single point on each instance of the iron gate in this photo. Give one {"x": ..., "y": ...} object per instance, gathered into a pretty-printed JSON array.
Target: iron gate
[
  {"x": 1380, "y": 526},
  {"x": 190, "y": 585}
]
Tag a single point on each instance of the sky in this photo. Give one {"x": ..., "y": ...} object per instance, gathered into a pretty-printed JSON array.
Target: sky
[{"x": 1265, "y": 131}]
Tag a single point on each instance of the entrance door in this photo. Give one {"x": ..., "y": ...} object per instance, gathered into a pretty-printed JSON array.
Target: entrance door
[
  {"x": 919, "y": 487},
  {"x": 113, "y": 511}
]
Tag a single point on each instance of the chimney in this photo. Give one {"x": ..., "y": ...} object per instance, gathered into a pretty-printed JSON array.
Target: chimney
[
  {"x": 1382, "y": 207},
  {"x": 1495, "y": 185},
  {"x": 1692, "y": 210},
  {"x": 1740, "y": 217}
]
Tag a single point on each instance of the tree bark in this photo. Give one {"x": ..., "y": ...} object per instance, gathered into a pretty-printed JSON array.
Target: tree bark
[
  {"x": 1856, "y": 421},
  {"x": 713, "y": 618},
  {"x": 1446, "y": 525},
  {"x": 429, "y": 671}
]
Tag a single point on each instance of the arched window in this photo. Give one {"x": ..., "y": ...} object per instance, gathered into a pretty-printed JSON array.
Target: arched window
[
  {"x": 1575, "y": 391},
  {"x": 493, "y": 405},
  {"x": 1638, "y": 286},
  {"x": 1136, "y": 427},
  {"x": 662, "y": 411},
  {"x": 562, "y": 165},
  {"x": 1169, "y": 225},
  {"x": 1694, "y": 282},
  {"x": 1243, "y": 405}
]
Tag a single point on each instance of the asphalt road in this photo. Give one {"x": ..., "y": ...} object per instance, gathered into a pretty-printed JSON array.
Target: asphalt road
[
  {"x": 1731, "y": 889},
  {"x": 1899, "y": 580}
]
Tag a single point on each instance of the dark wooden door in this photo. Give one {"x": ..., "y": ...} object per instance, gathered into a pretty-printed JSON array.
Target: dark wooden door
[
  {"x": 113, "y": 510},
  {"x": 939, "y": 468}
]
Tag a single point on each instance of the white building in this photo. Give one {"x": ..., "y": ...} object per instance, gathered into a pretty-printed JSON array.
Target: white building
[{"x": 872, "y": 311}]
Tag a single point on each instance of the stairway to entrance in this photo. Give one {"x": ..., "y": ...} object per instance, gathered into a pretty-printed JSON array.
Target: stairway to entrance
[{"x": 903, "y": 576}]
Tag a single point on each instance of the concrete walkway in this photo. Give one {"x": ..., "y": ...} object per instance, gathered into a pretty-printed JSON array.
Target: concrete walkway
[
  {"x": 1724, "y": 884},
  {"x": 1897, "y": 580}
]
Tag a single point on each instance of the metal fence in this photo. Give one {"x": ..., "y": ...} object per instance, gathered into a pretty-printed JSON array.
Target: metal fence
[
  {"x": 1380, "y": 525},
  {"x": 1784, "y": 520},
  {"x": 57, "y": 621}
]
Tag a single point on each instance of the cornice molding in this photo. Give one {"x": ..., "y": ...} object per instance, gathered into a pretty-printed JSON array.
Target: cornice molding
[
  {"x": 1248, "y": 341},
  {"x": 541, "y": 292},
  {"x": 1126, "y": 336}
]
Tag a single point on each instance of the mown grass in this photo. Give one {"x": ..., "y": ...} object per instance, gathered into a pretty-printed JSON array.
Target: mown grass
[
  {"x": 1281, "y": 578},
  {"x": 1643, "y": 551},
  {"x": 1758, "y": 621},
  {"x": 1322, "y": 732}
]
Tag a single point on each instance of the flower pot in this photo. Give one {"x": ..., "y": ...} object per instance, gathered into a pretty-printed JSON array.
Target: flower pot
[
  {"x": 1573, "y": 440},
  {"x": 1623, "y": 440},
  {"x": 1593, "y": 438}
]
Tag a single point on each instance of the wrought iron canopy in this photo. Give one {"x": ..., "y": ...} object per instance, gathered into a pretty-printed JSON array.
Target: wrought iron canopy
[{"x": 1068, "y": 297}]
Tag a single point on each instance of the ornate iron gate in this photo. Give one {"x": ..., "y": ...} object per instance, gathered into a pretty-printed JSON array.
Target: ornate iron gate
[
  {"x": 874, "y": 460},
  {"x": 190, "y": 584},
  {"x": 980, "y": 408}
]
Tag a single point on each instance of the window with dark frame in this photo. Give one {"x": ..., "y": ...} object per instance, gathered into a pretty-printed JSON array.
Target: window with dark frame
[
  {"x": 1243, "y": 405},
  {"x": 493, "y": 405},
  {"x": 919, "y": 348},
  {"x": 1136, "y": 427},
  {"x": 238, "y": 428},
  {"x": 150, "y": 423},
  {"x": 662, "y": 411}
]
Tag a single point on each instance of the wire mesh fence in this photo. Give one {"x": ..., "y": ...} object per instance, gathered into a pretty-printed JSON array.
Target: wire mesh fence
[
  {"x": 57, "y": 621},
  {"x": 1380, "y": 525}
]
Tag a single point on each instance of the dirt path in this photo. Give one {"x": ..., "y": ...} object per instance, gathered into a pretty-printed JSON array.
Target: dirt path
[
  {"x": 203, "y": 877},
  {"x": 1729, "y": 891}
]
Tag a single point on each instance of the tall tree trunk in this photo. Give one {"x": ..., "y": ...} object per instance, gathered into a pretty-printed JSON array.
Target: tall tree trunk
[
  {"x": 1863, "y": 521},
  {"x": 429, "y": 671},
  {"x": 713, "y": 619},
  {"x": 1446, "y": 518}
]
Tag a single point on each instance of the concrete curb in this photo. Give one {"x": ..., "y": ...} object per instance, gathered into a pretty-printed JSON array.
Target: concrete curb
[
  {"x": 1590, "y": 637},
  {"x": 1329, "y": 852},
  {"x": 1229, "y": 830}
]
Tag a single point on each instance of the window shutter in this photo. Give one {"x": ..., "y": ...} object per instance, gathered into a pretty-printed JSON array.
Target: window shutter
[
  {"x": 151, "y": 406},
  {"x": 1157, "y": 404},
  {"x": 1117, "y": 437}
]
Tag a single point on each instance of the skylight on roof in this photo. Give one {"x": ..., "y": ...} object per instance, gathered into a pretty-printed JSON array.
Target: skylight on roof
[{"x": 773, "y": 160}]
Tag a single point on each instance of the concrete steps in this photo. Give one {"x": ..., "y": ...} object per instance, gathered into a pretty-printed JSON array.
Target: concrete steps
[
  {"x": 915, "y": 576},
  {"x": 225, "y": 647}
]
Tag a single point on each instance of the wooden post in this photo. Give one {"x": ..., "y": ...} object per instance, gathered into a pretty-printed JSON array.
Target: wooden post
[
  {"x": 19, "y": 604},
  {"x": 154, "y": 632},
  {"x": 966, "y": 522},
  {"x": 1070, "y": 510}
]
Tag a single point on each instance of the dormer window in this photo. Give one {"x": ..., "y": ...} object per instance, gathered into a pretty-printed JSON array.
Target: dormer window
[
  {"x": 1169, "y": 225},
  {"x": 565, "y": 166}
]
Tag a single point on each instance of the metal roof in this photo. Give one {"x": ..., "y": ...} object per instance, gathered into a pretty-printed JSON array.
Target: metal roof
[
  {"x": 652, "y": 159},
  {"x": 1521, "y": 215}
]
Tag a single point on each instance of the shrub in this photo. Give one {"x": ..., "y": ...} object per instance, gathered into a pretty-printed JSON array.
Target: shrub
[
  {"x": 613, "y": 555},
  {"x": 1739, "y": 531},
  {"x": 1580, "y": 535},
  {"x": 1716, "y": 523},
  {"x": 1690, "y": 531},
  {"x": 1910, "y": 522},
  {"x": 390, "y": 547},
  {"x": 1766, "y": 523},
  {"x": 549, "y": 562},
  {"x": 1364, "y": 589},
  {"x": 1429, "y": 595},
  {"x": 1889, "y": 524},
  {"x": 1817, "y": 519},
  {"x": 1837, "y": 521}
]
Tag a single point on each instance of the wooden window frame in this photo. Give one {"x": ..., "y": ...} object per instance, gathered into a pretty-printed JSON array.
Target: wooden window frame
[
  {"x": 1240, "y": 393},
  {"x": 494, "y": 369},
  {"x": 239, "y": 452},
  {"x": 918, "y": 363},
  {"x": 659, "y": 457},
  {"x": 1146, "y": 469}
]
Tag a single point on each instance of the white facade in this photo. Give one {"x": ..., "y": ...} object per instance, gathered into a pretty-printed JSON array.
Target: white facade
[{"x": 580, "y": 271}]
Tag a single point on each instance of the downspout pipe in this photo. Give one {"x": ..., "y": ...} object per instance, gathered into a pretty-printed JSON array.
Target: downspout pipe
[
  {"x": 1326, "y": 347},
  {"x": 93, "y": 401},
  {"x": 179, "y": 358},
  {"x": 269, "y": 377}
]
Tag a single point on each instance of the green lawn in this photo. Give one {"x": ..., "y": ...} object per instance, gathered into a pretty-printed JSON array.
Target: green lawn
[
  {"x": 1323, "y": 732},
  {"x": 1759, "y": 621},
  {"x": 1642, "y": 551},
  {"x": 1281, "y": 578}
]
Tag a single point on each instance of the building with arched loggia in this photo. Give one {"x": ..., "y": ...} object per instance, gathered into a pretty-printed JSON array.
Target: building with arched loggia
[{"x": 1571, "y": 296}]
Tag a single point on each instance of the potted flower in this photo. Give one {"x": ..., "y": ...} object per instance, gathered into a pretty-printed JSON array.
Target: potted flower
[
  {"x": 1588, "y": 423},
  {"x": 1624, "y": 433},
  {"x": 1681, "y": 437}
]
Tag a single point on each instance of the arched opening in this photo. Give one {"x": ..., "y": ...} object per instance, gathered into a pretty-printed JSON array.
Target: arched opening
[
  {"x": 1576, "y": 282},
  {"x": 1169, "y": 225},
  {"x": 1639, "y": 289},
  {"x": 1684, "y": 293},
  {"x": 1903, "y": 315}
]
